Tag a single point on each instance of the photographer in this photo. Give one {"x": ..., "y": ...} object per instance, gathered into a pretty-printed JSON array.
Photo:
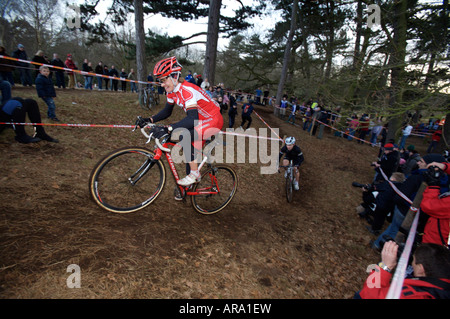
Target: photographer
[
  {"x": 388, "y": 162},
  {"x": 383, "y": 202},
  {"x": 436, "y": 206},
  {"x": 431, "y": 277},
  {"x": 409, "y": 188}
]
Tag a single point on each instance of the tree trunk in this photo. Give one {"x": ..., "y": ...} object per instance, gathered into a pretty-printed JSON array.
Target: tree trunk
[
  {"x": 398, "y": 66},
  {"x": 141, "y": 66},
  {"x": 330, "y": 39},
  {"x": 287, "y": 55},
  {"x": 211, "y": 41}
]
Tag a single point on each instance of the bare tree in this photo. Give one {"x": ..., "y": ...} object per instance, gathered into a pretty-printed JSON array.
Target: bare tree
[
  {"x": 287, "y": 54},
  {"x": 212, "y": 38},
  {"x": 141, "y": 67}
]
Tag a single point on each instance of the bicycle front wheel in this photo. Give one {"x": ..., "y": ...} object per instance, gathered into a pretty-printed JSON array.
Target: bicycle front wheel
[
  {"x": 127, "y": 180},
  {"x": 289, "y": 183},
  {"x": 215, "y": 190}
]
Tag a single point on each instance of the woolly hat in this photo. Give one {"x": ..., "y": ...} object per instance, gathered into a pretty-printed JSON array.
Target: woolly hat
[
  {"x": 388, "y": 147},
  {"x": 429, "y": 158},
  {"x": 410, "y": 148}
]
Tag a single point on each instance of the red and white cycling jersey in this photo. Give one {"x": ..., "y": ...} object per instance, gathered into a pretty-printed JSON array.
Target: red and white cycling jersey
[{"x": 187, "y": 94}]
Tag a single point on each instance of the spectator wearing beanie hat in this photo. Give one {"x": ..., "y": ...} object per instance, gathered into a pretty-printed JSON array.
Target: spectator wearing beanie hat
[{"x": 388, "y": 163}]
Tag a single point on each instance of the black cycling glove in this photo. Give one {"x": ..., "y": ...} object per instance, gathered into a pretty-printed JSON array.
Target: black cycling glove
[
  {"x": 159, "y": 131},
  {"x": 141, "y": 122}
]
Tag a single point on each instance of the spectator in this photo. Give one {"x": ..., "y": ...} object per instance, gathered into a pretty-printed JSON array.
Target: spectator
[
  {"x": 150, "y": 79},
  {"x": 316, "y": 118},
  {"x": 59, "y": 73},
  {"x": 258, "y": 94},
  {"x": 208, "y": 91},
  {"x": 293, "y": 113},
  {"x": 99, "y": 70},
  {"x": 436, "y": 206},
  {"x": 376, "y": 130},
  {"x": 23, "y": 67},
  {"x": 307, "y": 119},
  {"x": 199, "y": 80},
  {"x": 323, "y": 120},
  {"x": 435, "y": 138},
  {"x": 406, "y": 131},
  {"x": 71, "y": 65},
  {"x": 363, "y": 128},
  {"x": 15, "y": 110},
  {"x": 352, "y": 127},
  {"x": 411, "y": 162},
  {"x": 132, "y": 78},
  {"x": 123, "y": 77},
  {"x": 87, "y": 67},
  {"x": 388, "y": 163},
  {"x": 40, "y": 58},
  {"x": 409, "y": 188},
  {"x": 190, "y": 78},
  {"x": 6, "y": 67},
  {"x": 266, "y": 96},
  {"x": 113, "y": 72},
  {"x": 222, "y": 104},
  {"x": 431, "y": 265},
  {"x": 46, "y": 91},
  {"x": 106, "y": 73},
  {"x": 205, "y": 84},
  {"x": 383, "y": 134},
  {"x": 283, "y": 106},
  {"x": 247, "y": 110},
  {"x": 232, "y": 112},
  {"x": 384, "y": 202},
  {"x": 89, "y": 78}
]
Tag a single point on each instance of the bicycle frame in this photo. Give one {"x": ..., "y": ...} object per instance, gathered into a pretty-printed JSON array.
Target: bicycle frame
[{"x": 163, "y": 149}]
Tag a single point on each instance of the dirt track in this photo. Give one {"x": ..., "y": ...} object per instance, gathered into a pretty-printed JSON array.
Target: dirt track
[{"x": 259, "y": 247}]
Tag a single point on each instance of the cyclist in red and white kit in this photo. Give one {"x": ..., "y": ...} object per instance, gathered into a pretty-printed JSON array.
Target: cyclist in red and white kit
[{"x": 203, "y": 118}]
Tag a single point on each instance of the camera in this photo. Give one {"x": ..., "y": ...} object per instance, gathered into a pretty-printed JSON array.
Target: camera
[{"x": 366, "y": 186}]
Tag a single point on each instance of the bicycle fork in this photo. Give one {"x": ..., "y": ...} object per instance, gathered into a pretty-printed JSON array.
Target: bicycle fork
[{"x": 141, "y": 171}]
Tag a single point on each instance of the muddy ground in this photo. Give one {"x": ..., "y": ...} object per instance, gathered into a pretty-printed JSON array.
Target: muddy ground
[{"x": 260, "y": 246}]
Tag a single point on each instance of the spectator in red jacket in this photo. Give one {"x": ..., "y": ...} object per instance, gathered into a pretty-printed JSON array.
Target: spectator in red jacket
[
  {"x": 71, "y": 65},
  {"x": 431, "y": 264},
  {"x": 435, "y": 138},
  {"x": 436, "y": 206}
]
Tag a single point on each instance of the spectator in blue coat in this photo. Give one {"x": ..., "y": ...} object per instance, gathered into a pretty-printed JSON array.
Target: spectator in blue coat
[
  {"x": 16, "y": 110},
  {"x": 46, "y": 91}
]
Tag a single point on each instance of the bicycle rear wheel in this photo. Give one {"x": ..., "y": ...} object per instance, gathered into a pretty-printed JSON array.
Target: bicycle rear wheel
[
  {"x": 217, "y": 188},
  {"x": 127, "y": 180},
  {"x": 289, "y": 184}
]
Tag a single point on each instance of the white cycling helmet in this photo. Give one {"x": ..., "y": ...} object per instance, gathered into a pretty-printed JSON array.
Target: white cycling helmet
[{"x": 290, "y": 140}]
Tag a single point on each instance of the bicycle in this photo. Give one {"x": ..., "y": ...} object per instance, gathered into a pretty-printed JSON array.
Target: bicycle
[
  {"x": 148, "y": 98},
  {"x": 290, "y": 178},
  {"x": 131, "y": 178}
]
